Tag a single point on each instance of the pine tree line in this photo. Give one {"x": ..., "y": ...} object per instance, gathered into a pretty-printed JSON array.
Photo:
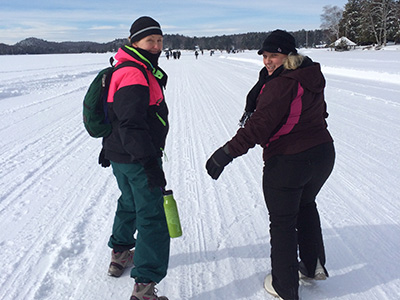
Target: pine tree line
[
  {"x": 251, "y": 40},
  {"x": 366, "y": 21}
]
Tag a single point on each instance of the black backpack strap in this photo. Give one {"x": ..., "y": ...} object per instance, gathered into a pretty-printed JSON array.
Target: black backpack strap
[
  {"x": 111, "y": 61},
  {"x": 130, "y": 63}
]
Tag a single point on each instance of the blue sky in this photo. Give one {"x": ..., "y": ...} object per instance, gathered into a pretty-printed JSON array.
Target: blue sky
[{"x": 104, "y": 21}]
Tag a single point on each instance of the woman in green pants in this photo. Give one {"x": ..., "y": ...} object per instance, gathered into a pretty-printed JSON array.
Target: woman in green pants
[{"x": 139, "y": 117}]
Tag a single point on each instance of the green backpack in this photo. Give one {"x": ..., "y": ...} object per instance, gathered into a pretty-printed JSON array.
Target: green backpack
[{"x": 95, "y": 116}]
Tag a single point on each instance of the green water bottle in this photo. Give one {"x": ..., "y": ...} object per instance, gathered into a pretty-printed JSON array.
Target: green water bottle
[{"x": 171, "y": 213}]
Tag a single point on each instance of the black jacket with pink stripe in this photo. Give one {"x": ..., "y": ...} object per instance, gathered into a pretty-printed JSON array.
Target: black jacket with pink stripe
[{"x": 137, "y": 111}]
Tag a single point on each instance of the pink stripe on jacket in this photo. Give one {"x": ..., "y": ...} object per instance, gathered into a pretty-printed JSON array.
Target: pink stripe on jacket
[
  {"x": 293, "y": 118},
  {"x": 133, "y": 76}
]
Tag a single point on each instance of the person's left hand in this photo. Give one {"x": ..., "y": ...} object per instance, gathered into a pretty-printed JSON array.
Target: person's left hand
[
  {"x": 217, "y": 162},
  {"x": 103, "y": 161}
]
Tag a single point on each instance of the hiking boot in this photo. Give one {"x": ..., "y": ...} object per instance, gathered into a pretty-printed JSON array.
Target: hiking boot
[
  {"x": 119, "y": 262},
  {"x": 146, "y": 291},
  {"x": 319, "y": 273},
  {"x": 269, "y": 288}
]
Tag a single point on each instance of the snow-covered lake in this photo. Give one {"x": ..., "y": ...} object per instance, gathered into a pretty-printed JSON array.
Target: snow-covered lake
[{"x": 57, "y": 204}]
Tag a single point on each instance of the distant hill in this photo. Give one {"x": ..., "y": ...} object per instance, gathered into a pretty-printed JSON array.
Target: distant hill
[
  {"x": 39, "y": 46},
  {"x": 251, "y": 40}
]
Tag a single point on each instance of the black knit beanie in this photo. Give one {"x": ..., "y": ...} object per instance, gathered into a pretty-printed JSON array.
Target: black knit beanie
[
  {"x": 143, "y": 27},
  {"x": 279, "y": 41}
]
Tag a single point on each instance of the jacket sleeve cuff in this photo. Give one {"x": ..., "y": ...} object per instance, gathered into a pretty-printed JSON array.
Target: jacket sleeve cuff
[{"x": 226, "y": 150}]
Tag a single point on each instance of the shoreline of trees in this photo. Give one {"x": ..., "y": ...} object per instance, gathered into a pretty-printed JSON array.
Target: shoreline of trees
[{"x": 251, "y": 41}]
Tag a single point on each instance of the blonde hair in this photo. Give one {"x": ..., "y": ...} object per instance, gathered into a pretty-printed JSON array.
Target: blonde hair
[{"x": 293, "y": 61}]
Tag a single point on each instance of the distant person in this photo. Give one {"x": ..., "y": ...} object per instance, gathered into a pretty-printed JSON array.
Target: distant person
[
  {"x": 139, "y": 117},
  {"x": 196, "y": 53},
  {"x": 285, "y": 114}
]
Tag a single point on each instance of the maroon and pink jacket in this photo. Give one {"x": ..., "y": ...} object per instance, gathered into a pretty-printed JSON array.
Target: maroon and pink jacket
[{"x": 289, "y": 117}]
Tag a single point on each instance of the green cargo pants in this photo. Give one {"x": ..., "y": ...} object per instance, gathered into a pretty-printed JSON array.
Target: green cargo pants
[{"x": 141, "y": 209}]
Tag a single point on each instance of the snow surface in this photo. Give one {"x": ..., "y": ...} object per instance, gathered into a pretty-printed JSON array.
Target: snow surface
[{"x": 57, "y": 204}]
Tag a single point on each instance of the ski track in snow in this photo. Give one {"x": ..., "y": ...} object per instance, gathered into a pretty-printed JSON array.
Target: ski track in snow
[{"x": 57, "y": 204}]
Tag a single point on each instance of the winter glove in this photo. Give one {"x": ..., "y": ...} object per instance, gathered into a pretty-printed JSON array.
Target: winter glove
[
  {"x": 244, "y": 118},
  {"x": 217, "y": 162},
  {"x": 155, "y": 175},
  {"x": 103, "y": 161}
]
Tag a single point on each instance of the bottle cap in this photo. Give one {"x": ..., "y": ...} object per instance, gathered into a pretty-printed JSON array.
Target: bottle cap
[{"x": 167, "y": 192}]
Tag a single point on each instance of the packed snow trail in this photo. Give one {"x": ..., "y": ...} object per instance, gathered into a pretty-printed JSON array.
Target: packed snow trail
[{"x": 57, "y": 204}]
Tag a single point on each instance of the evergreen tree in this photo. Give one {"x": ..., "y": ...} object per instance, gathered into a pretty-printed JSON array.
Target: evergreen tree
[
  {"x": 351, "y": 23},
  {"x": 396, "y": 33}
]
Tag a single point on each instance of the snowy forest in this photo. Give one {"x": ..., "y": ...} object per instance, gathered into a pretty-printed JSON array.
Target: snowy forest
[{"x": 363, "y": 21}]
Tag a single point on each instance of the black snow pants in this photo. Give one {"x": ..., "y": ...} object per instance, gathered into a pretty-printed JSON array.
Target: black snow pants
[{"x": 291, "y": 184}]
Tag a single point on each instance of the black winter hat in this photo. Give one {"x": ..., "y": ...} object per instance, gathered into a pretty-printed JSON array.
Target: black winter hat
[
  {"x": 143, "y": 27},
  {"x": 279, "y": 41}
]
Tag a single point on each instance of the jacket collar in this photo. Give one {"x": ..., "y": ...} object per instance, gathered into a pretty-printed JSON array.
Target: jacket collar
[{"x": 139, "y": 56}]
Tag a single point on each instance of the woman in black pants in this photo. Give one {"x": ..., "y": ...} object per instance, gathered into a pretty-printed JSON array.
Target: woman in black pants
[{"x": 285, "y": 114}]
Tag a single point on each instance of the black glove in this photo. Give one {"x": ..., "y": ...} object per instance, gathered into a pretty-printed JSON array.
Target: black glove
[
  {"x": 244, "y": 118},
  {"x": 155, "y": 175},
  {"x": 103, "y": 161},
  {"x": 217, "y": 162}
]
